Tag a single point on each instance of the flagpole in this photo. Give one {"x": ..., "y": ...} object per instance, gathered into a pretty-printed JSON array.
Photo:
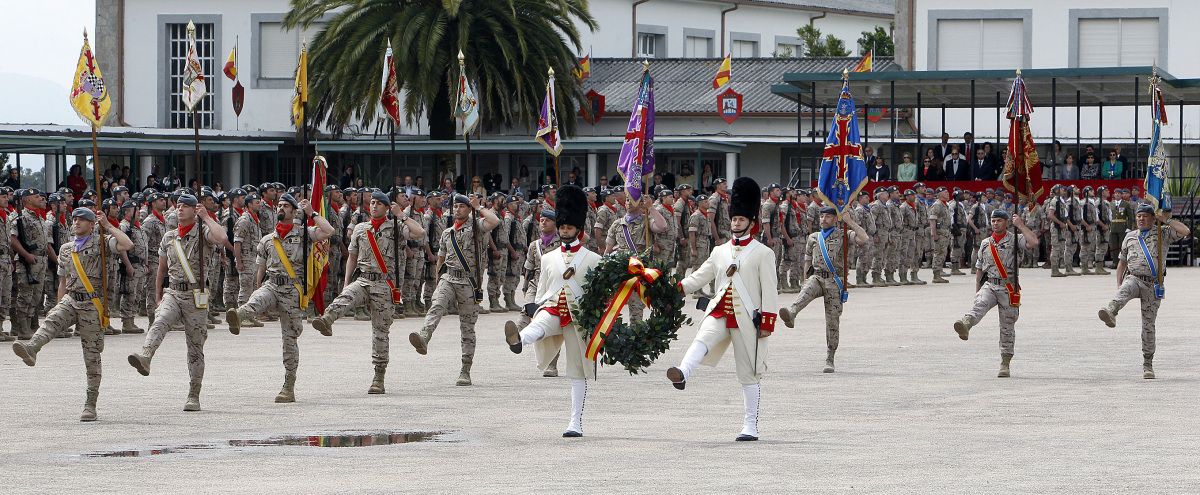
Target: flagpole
[
  {"x": 1158, "y": 222},
  {"x": 553, "y": 125},
  {"x": 840, "y": 209},
  {"x": 462, "y": 71},
  {"x": 237, "y": 118},
  {"x": 100, "y": 231}
]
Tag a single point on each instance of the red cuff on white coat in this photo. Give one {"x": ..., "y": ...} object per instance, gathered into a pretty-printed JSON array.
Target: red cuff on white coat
[{"x": 768, "y": 322}]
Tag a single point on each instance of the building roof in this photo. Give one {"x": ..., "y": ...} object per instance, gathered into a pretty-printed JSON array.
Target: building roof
[
  {"x": 53, "y": 138},
  {"x": 684, "y": 85},
  {"x": 874, "y": 7},
  {"x": 1063, "y": 87}
]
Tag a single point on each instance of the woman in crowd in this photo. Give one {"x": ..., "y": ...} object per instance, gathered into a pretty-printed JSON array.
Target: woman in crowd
[
  {"x": 1068, "y": 170},
  {"x": 1113, "y": 168},
  {"x": 1090, "y": 170},
  {"x": 907, "y": 170}
]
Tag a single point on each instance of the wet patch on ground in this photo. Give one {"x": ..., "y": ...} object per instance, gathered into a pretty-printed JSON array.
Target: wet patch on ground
[{"x": 325, "y": 440}]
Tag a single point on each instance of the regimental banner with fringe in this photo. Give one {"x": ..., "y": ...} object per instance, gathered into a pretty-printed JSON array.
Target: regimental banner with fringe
[
  {"x": 637, "y": 151},
  {"x": 547, "y": 131},
  {"x": 389, "y": 97},
  {"x": 843, "y": 170},
  {"x": 642, "y": 277},
  {"x": 194, "y": 85},
  {"x": 89, "y": 96},
  {"x": 1156, "y": 167},
  {"x": 1022, "y": 169},
  {"x": 318, "y": 259},
  {"x": 300, "y": 97}
]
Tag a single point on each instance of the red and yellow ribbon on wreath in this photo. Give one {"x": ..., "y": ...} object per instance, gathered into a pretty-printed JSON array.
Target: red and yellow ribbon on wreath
[{"x": 641, "y": 278}]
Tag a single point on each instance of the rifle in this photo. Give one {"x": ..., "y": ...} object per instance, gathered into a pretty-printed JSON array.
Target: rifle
[
  {"x": 54, "y": 236},
  {"x": 22, "y": 238},
  {"x": 122, "y": 272},
  {"x": 396, "y": 248},
  {"x": 229, "y": 233}
]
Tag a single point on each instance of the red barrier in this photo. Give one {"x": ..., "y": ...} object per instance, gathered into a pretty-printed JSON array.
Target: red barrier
[{"x": 995, "y": 185}]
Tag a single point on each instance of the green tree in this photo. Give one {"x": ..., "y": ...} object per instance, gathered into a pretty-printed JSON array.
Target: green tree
[
  {"x": 816, "y": 46},
  {"x": 878, "y": 40},
  {"x": 508, "y": 44}
]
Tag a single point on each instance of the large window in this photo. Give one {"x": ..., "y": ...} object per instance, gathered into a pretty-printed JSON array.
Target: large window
[
  {"x": 277, "y": 50},
  {"x": 1118, "y": 42},
  {"x": 178, "y": 116},
  {"x": 649, "y": 45},
  {"x": 743, "y": 49},
  {"x": 697, "y": 47},
  {"x": 964, "y": 44}
]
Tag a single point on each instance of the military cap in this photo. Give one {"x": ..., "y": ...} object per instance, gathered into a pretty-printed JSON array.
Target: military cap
[
  {"x": 108, "y": 203},
  {"x": 250, "y": 188},
  {"x": 67, "y": 190},
  {"x": 84, "y": 213},
  {"x": 1145, "y": 208},
  {"x": 663, "y": 193},
  {"x": 237, "y": 192},
  {"x": 120, "y": 189},
  {"x": 719, "y": 180},
  {"x": 293, "y": 190},
  {"x": 252, "y": 197},
  {"x": 188, "y": 199},
  {"x": 128, "y": 204},
  {"x": 278, "y": 185},
  {"x": 773, "y": 185},
  {"x": 416, "y": 191},
  {"x": 289, "y": 199},
  {"x": 381, "y": 197},
  {"x": 462, "y": 199},
  {"x": 88, "y": 192},
  {"x": 909, "y": 192},
  {"x": 892, "y": 189},
  {"x": 549, "y": 213},
  {"x": 701, "y": 197},
  {"x": 879, "y": 190},
  {"x": 919, "y": 184},
  {"x": 1000, "y": 213},
  {"x": 86, "y": 203},
  {"x": 349, "y": 190},
  {"x": 827, "y": 210},
  {"x": 6, "y": 190},
  {"x": 265, "y": 186},
  {"x": 55, "y": 198},
  {"x": 331, "y": 187},
  {"x": 941, "y": 189},
  {"x": 514, "y": 197},
  {"x": 684, "y": 186}
]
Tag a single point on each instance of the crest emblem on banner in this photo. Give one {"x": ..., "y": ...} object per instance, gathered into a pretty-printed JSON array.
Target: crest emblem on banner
[
  {"x": 593, "y": 111},
  {"x": 729, "y": 105}
]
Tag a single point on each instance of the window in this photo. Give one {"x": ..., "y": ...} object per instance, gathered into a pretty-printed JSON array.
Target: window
[
  {"x": 278, "y": 49},
  {"x": 964, "y": 44},
  {"x": 178, "y": 116},
  {"x": 697, "y": 47},
  {"x": 650, "y": 45},
  {"x": 1118, "y": 42},
  {"x": 787, "y": 50},
  {"x": 743, "y": 49}
]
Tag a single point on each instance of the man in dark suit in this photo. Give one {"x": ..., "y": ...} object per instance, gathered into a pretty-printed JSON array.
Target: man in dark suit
[
  {"x": 967, "y": 149},
  {"x": 869, "y": 157},
  {"x": 983, "y": 167},
  {"x": 956, "y": 166},
  {"x": 943, "y": 150}
]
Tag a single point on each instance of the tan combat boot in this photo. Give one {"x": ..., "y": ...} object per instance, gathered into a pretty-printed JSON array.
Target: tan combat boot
[
  {"x": 1108, "y": 314},
  {"x": 410, "y": 309},
  {"x": 1099, "y": 270},
  {"x": 902, "y": 278},
  {"x": 938, "y": 278},
  {"x": 1004, "y": 360},
  {"x": 785, "y": 315},
  {"x": 377, "y": 382},
  {"x": 89, "y": 406},
  {"x": 1148, "y": 366},
  {"x": 916, "y": 280},
  {"x": 963, "y": 327},
  {"x": 324, "y": 325},
  {"x": 876, "y": 281},
  {"x": 27, "y": 352},
  {"x": 861, "y": 279},
  {"x": 193, "y": 399},
  {"x": 510, "y": 301},
  {"x": 288, "y": 393},
  {"x": 464, "y": 376},
  {"x": 419, "y": 341},
  {"x": 398, "y": 312},
  {"x": 1054, "y": 271},
  {"x": 127, "y": 326},
  {"x": 956, "y": 270},
  {"x": 829, "y": 362},
  {"x": 234, "y": 319}
]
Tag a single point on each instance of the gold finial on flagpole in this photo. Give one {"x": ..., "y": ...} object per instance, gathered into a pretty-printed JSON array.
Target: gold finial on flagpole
[
  {"x": 191, "y": 27},
  {"x": 550, "y": 71},
  {"x": 645, "y": 65},
  {"x": 1018, "y": 71},
  {"x": 845, "y": 74},
  {"x": 461, "y": 58}
]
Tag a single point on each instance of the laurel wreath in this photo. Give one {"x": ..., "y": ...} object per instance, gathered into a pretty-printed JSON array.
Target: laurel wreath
[{"x": 634, "y": 346}]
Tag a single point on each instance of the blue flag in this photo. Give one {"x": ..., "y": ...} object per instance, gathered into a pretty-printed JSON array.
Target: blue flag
[
  {"x": 1157, "y": 168},
  {"x": 843, "y": 170}
]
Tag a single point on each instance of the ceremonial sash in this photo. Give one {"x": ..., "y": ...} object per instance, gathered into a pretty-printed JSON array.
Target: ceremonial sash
[
  {"x": 287, "y": 266},
  {"x": 87, "y": 285},
  {"x": 1014, "y": 293},
  {"x": 383, "y": 266},
  {"x": 200, "y": 296},
  {"x": 736, "y": 279},
  {"x": 1159, "y": 290},
  {"x": 829, "y": 265}
]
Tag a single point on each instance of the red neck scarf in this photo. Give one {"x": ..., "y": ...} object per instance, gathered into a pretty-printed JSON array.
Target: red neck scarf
[
  {"x": 283, "y": 229},
  {"x": 269, "y": 204},
  {"x": 911, "y": 204},
  {"x": 184, "y": 229},
  {"x": 3, "y": 214},
  {"x": 377, "y": 222},
  {"x": 114, "y": 221},
  {"x": 158, "y": 215},
  {"x": 573, "y": 248},
  {"x": 669, "y": 208},
  {"x": 996, "y": 238},
  {"x": 724, "y": 195},
  {"x": 238, "y": 211},
  {"x": 62, "y": 220},
  {"x": 458, "y": 224}
]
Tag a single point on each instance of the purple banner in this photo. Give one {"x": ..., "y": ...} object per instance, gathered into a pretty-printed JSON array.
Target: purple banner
[{"x": 637, "y": 152}]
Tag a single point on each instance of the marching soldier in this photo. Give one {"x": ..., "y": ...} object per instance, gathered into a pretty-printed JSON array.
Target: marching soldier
[
  {"x": 1122, "y": 214},
  {"x": 996, "y": 282},
  {"x": 421, "y": 257},
  {"x": 978, "y": 217},
  {"x": 681, "y": 211},
  {"x": 699, "y": 242},
  {"x": 279, "y": 288},
  {"x": 58, "y": 230},
  {"x": 337, "y": 245},
  {"x": 941, "y": 226},
  {"x": 825, "y": 255},
  {"x": 434, "y": 223},
  {"x": 793, "y": 252},
  {"x": 500, "y": 253},
  {"x": 459, "y": 250},
  {"x": 246, "y": 237},
  {"x": 7, "y": 219},
  {"x": 79, "y": 266},
  {"x": 860, "y": 254},
  {"x": 118, "y": 269},
  {"x": 561, "y": 276},
  {"x": 547, "y": 240},
  {"x": 745, "y": 274},
  {"x": 1139, "y": 271},
  {"x": 924, "y": 241},
  {"x": 634, "y": 233},
  {"x": 605, "y": 216},
  {"x": 136, "y": 276},
  {"x": 32, "y": 246},
  {"x": 892, "y": 270},
  {"x": 665, "y": 244},
  {"x": 208, "y": 199},
  {"x": 155, "y": 226},
  {"x": 183, "y": 300},
  {"x": 1031, "y": 213},
  {"x": 958, "y": 229},
  {"x": 230, "y": 267},
  {"x": 768, "y": 215},
  {"x": 517, "y": 241}
]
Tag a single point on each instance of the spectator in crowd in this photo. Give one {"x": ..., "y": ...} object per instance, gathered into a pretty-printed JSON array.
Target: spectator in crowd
[
  {"x": 1054, "y": 159},
  {"x": 982, "y": 168},
  {"x": 878, "y": 170},
  {"x": 448, "y": 186},
  {"x": 347, "y": 179},
  {"x": 932, "y": 168},
  {"x": 419, "y": 182},
  {"x": 706, "y": 179},
  {"x": 13, "y": 178},
  {"x": 493, "y": 182},
  {"x": 906, "y": 171},
  {"x": 1113, "y": 168},
  {"x": 687, "y": 175},
  {"x": 603, "y": 182},
  {"x": 574, "y": 178},
  {"x": 668, "y": 179},
  {"x": 942, "y": 150},
  {"x": 1126, "y": 169},
  {"x": 1068, "y": 170},
  {"x": 1090, "y": 169},
  {"x": 956, "y": 167},
  {"x": 152, "y": 183},
  {"x": 358, "y": 183},
  {"x": 523, "y": 175},
  {"x": 968, "y": 146},
  {"x": 477, "y": 186},
  {"x": 869, "y": 157},
  {"x": 514, "y": 188},
  {"x": 217, "y": 188}
]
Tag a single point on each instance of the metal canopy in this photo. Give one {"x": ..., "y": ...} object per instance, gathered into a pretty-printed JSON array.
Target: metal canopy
[
  {"x": 1094, "y": 86},
  {"x": 526, "y": 145}
]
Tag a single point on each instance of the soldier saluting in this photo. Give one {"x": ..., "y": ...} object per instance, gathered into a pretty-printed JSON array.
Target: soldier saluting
[
  {"x": 79, "y": 267},
  {"x": 1140, "y": 274},
  {"x": 996, "y": 284},
  {"x": 183, "y": 300}
]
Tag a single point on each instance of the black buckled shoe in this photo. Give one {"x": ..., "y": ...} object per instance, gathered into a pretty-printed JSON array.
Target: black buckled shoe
[{"x": 676, "y": 376}]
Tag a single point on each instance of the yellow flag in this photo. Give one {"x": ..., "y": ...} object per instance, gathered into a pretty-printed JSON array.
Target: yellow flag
[
  {"x": 231, "y": 64},
  {"x": 89, "y": 96},
  {"x": 301, "y": 96},
  {"x": 724, "y": 73}
]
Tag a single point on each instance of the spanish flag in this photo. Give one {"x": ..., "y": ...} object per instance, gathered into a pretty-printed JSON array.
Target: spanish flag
[
  {"x": 723, "y": 73},
  {"x": 866, "y": 64},
  {"x": 585, "y": 68},
  {"x": 231, "y": 64},
  {"x": 300, "y": 98}
]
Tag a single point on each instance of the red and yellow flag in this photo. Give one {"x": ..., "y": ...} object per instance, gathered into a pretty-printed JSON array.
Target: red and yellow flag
[
  {"x": 585, "y": 68},
  {"x": 867, "y": 63},
  {"x": 89, "y": 96},
  {"x": 318, "y": 259},
  {"x": 231, "y": 64},
  {"x": 723, "y": 73}
]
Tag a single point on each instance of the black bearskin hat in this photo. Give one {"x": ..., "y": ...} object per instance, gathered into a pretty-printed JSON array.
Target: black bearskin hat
[
  {"x": 571, "y": 207},
  {"x": 744, "y": 199}
]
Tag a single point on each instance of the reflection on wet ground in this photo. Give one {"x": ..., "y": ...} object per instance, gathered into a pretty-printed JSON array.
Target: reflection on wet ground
[{"x": 343, "y": 439}]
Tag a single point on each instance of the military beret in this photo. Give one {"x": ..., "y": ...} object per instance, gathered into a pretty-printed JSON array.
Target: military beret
[
  {"x": 252, "y": 197},
  {"x": 349, "y": 190},
  {"x": 589, "y": 189},
  {"x": 892, "y": 189},
  {"x": 1087, "y": 188},
  {"x": 250, "y": 188},
  {"x": 772, "y": 185},
  {"x": 909, "y": 192},
  {"x": 289, "y": 199},
  {"x": 719, "y": 180},
  {"x": 6, "y": 190},
  {"x": 237, "y": 192},
  {"x": 663, "y": 193},
  {"x": 919, "y": 184},
  {"x": 293, "y": 191},
  {"x": 381, "y": 197},
  {"x": 89, "y": 192},
  {"x": 682, "y": 187},
  {"x": 137, "y": 197},
  {"x": 547, "y": 187},
  {"x": 514, "y": 198},
  {"x": 879, "y": 190},
  {"x": 549, "y": 213},
  {"x": 331, "y": 187},
  {"x": 1008, "y": 196},
  {"x": 278, "y": 185},
  {"x": 701, "y": 197},
  {"x": 416, "y": 191},
  {"x": 462, "y": 199},
  {"x": 1102, "y": 188},
  {"x": 67, "y": 190},
  {"x": 988, "y": 190},
  {"x": 941, "y": 189},
  {"x": 1000, "y": 213},
  {"x": 618, "y": 188},
  {"x": 186, "y": 190},
  {"x": 188, "y": 199},
  {"x": 120, "y": 189},
  {"x": 108, "y": 203},
  {"x": 827, "y": 210},
  {"x": 55, "y": 198},
  {"x": 265, "y": 186},
  {"x": 128, "y": 204},
  {"x": 84, "y": 213},
  {"x": 1145, "y": 208}
]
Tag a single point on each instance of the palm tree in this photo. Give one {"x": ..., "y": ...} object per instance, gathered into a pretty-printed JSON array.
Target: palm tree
[{"x": 508, "y": 44}]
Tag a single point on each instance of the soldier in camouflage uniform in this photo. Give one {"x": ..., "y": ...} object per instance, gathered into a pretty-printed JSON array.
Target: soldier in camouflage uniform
[
  {"x": 31, "y": 267},
  {"x": 606, "y": 214},
  {"x": 699, "y": 241},
  {"x": 909, "y": 252},
  {"x": 718, "y": 212},
  {"x": 118, "y": 270},
  {"x": 1031, "y": 213},
  {"x": 154, "y": 227},
  {"x": 434, "y": 224},
  {"x": 177, "y": 299},
  {"x": 547, "y": 240},
  {"x": 860, "y": 254},
  {"x": 958, "y": 230},
  {"x": 420, "y": 258},
  {"x": 941, "y": 235},
  {"x": 772, "y": 228},
  {"x": 280, "y": 289},
  {"x": 500, "y": 254},
  {"x": 58, "y": 230},
  {"x": 81, "y": 307},
  {"x": 6, "y": 266},
  {"x": 797, "y": 228},
  {"x": 208, "y": 198},
  {"x": 246, "y": 237},
  {"x": 1059, "y": 212},
  {"x": 337, "y": 245},
  {"x": 893, "y": 270},
  {"x": 1122, "y": 215},
  {"x": 517, "y": 241},
  {"x": 826, "y": 244},
  {"x": 137, "y": 275},
  {"x": 1089, "y": 230},
  {"x": 993, "y": 282},
  {"x": 589, "y": 241},
  {"x": 230, "y": 275},
  {"x": 460, "y": 282},
  {"x": 681, "y": 211},
  {"x": 665, "y": 244},
  {"x": 924, "y": 241},
  {"x": 633, "y": 234},
  {"x": 1138, "y": 274},
  {"x": 882, "y": 240}
]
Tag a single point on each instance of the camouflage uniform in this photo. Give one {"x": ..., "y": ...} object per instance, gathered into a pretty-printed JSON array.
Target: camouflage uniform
[
  {"x": 231, "y": 275},
  {"x": 58, "y": 230},
  {"x": 702, "y": 227},
  {"x": 154, "y": 227},
  {"x": 680, "y": 221},
  {"x": 1089, "y": 234},
  {"x": 860, "y": 254},
  {"x": 796, "y": 223},
  {"x": 24, "y": 308},
  {"x": 178, "y": 307},
  {"x": 1034, "y": 220},
  {"x": 417, "y": 265},
  {"x": 622, "y": 232},
  {"x": 959, "y": 218},
  {"x": 909, "y": 251},
  {"x": 516, "y": 240},
  {"x": 1139, "y": 281},
  {"x": 993, "y": 292},
  {"x": 77, "y": 309},
  {"x": 665, "y": 244},
  {"x": 434, "y": 223},
  {"x": 768, "y": 214},
  {"x": 498, "y": 260},
  {"x": 6, "y": 273},
  {"x": 718, "y": 209},
  {"x": 333, "y": 284},
  {"x": 823, "y": 284},
  {"x": 135, "y": 294},
  {"x": 246, "y": 231},
  {"x": 941, "y": 214},
  {"x": 590, "y": 242},
  {"x": 605, "y": 216},
  {"x": 882, "y": 240},
  {"x": 897, "y": 246}
]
